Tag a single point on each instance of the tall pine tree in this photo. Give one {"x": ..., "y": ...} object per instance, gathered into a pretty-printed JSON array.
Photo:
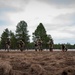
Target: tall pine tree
[
  {"x": 22, "y": 32},
  {"x": 41, "y": 32},
  {"x": 4, "y": 37}
]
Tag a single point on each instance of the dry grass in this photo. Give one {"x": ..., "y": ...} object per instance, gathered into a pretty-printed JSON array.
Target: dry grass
[{"x": 37, "y": 63}]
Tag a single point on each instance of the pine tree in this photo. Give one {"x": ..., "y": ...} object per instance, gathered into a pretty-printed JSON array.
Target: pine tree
[
  {"x": 40, "y": 32},
  {"x": 4, "y": 37},
  {"x": 13, "y": 40},
  {"x": 22, "y": 32}
]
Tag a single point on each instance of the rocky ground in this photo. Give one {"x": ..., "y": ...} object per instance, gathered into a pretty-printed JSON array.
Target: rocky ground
[{"x": 37, "y": 63}]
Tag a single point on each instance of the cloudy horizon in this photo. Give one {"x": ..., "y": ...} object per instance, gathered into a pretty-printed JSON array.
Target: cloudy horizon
[{"x": 57, "y": 16}]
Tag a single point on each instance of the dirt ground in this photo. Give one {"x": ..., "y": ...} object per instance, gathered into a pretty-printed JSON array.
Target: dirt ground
[{"x": 37, "y": 63}]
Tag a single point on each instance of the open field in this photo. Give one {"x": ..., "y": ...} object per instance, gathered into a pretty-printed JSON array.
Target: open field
[{"x": 37, "y": 63}]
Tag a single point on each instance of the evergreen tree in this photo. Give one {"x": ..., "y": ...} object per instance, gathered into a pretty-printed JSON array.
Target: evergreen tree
[
  {"x": 41, "y": 32},
  {"x": 13, "y": 40},
  {"x": 0, "y": 44},
  {"x": 22, "y": 32},
  {"x": 4, "y": 37}
]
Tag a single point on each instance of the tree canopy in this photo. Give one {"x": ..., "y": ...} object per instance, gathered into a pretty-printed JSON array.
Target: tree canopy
[
  {"x": 22, "y": 32},
  {"x": 41, "y": 33},
  {"x": 4, "y": 37}
]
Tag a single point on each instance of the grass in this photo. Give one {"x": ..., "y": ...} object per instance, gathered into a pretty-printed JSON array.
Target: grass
[{"x": 37, "y": 63}]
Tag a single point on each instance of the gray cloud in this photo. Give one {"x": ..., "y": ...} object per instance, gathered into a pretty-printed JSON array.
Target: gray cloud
[
  {"x": 7, "y": 6},
  {"x": 51, "y": 27},
  {"x": 60, "y": 3},
  {"x": 12, "y": 5},
  {"x": 63, "y": 32},
  {"x": 66, "y": 19}
]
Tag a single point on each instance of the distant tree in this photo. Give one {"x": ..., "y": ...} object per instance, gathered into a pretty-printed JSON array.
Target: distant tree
[
  {"x": 69, "y": 46},
  {"x": 13, "y": 40},
  {"x": 73, "y": 46},
  {"x": 0, "y": 44},
  {"x": 4, "y": 37},
  {"x": 22, "y": 32},
  {"x": 57, "y": 46},
  {"x": 41, "y": 32}
]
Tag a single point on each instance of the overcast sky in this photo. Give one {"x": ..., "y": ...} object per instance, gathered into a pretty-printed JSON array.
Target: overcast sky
[{"x": 57, "y": 16}]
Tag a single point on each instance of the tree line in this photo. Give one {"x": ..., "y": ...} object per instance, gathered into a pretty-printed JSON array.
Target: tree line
[{"x": 22, "y": 33}]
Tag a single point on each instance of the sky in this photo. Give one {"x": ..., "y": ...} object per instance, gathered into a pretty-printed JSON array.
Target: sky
[{"x": 57, "y": 16}]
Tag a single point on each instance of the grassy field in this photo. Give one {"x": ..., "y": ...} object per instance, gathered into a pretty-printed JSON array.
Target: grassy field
[{"x": 37, "y": 63}]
